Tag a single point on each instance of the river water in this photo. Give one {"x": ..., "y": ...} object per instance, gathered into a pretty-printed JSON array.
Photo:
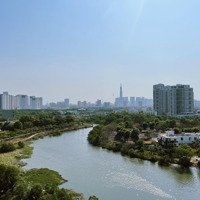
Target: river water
[{"x": 110, "y": 176}]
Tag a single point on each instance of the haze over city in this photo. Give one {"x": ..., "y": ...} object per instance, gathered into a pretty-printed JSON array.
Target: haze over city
[{"x": 83, "y": 50}]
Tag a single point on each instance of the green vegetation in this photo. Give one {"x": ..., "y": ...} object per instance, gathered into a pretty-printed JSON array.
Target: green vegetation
[
  {"x": 43, "y": 176},
  {"x": 27, "y": 122},
  {"x": 21, "y": 144},
  {"x": 6, "y": 147},
  {"x": 93, "y": 198},
  {"x": 32, "y": 185},
  {"x": 131, "y": 133},
  {"x": 35, "y": 184}
]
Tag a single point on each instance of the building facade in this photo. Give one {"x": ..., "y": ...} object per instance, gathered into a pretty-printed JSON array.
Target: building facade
[
  {"x": 173, "y": 100},
  {"x": 22, "y": 102},
  {"x": 11, "y": 102},
  {"x": 7, "y": 101},
  {"x": 169, "y": 138},
  {"x": 36, "y": 102}
]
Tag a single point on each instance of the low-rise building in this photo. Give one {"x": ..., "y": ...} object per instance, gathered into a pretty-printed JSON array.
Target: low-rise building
[{"x": 170, "y": 138}]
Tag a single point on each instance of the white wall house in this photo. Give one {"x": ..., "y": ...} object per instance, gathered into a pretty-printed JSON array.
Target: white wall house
[{"x": 169, "y": 138}]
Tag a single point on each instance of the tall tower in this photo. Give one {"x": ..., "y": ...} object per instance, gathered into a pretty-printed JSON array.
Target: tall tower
[{"x": 121, "y": 93}]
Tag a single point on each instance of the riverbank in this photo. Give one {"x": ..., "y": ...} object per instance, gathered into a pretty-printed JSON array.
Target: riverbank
[
  {"x": 13, "y": 158},
  {"x": 37, "y": 176},
  {"x": 110, "y": 176},
  {"x": 122, "y": 140}
]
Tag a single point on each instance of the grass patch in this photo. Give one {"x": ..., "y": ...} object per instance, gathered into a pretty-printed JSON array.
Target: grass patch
[
  {"x": 43, "y": 177},
  {"x": 10, "y": 158},
  {"x": 13, "y": 158},
  {"x": 26, "y": 152}
]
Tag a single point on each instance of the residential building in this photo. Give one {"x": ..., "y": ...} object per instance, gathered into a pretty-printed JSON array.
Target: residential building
[
  {"x": 66, "y": 103},
  {"x": 8, "y": 102},
  {"x": 36, "y": 102},
  {"x": 173, "y": 100},
  {"x": 197, "y": 104},
  {"x": 22, "y": 102},
  {"x": 98, "y": 103},
  {"x": 169, "y": 138},
  {"x": 132, "y": 101}
]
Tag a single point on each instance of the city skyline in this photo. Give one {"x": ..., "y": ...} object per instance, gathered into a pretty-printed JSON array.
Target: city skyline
[
  {"x": 84, "y": 49},
  {"x": 120, "y": 94}
]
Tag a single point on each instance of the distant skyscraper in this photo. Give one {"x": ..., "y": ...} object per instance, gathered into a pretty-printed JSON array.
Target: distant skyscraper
[
  {"x": 8, "y": 102},
  {"x": 36, "y": 102},
  {"x": 173, "y": 100},
  {"x": 121, "y": 91},
  {"x": 132, "y": 101},
  {"x": 11, "y": 102},
  {"x": 98, "y": 103},
  {"x": 22, "y": 102},
  {"x": 82, "y": 104},
  {"x": 66, "y": 103},
  {"x": 121, "y": 101}
]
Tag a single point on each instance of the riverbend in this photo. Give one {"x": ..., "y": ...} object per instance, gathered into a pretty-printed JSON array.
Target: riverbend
[{"x": 108, "y": 175}]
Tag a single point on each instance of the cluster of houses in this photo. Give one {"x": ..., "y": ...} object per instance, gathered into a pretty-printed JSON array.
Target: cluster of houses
[{"x": 170, "y": 138}]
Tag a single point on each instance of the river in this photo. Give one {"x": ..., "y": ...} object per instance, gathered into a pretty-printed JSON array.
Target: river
[{"x": 110, "y": 176}]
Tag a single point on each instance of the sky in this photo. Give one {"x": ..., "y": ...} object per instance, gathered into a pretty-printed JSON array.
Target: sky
[{"x": 84, "y": 49}]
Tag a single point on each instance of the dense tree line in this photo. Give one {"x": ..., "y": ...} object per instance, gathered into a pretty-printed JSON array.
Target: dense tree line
[
  {"x": 28, "y": 122},
  {"x": 146, "y": 121},
  {"x": 126, "y": 133}
]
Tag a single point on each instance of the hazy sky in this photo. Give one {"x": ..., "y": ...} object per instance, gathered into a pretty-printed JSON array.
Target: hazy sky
[{"x": 84, "y": 49}]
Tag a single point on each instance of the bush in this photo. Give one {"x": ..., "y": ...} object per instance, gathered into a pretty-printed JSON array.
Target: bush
[
  {"x": 132, "y": 153},
  {"x": 93, "y": 198},
  {"x": 21, "y": 144},
  {"x": 18, "y": 125},
  {"x": 8, "y": 178},
  {"x": 184, "y": 161},
  {"x": 164, "y": 161},
  {"x": 117, "y": 146},
  {"x": 135, "y": 134},
  {"x": 7, "y": 147},
  {"x": 177, "y": 130}
]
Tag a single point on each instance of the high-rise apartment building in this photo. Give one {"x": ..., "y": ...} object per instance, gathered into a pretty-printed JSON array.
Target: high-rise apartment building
[
  {"x": 22, "y": 102},
  {"x": 11, "y": 102},
  {"x": 66, "y": 103},
  {"x": 98, "y": 103},
  {"x": 132, "y": 101},
  {"x": 7, "y": 101},
  {"x": 173, "y": 100},
  {"x": 36, "y": 102}
]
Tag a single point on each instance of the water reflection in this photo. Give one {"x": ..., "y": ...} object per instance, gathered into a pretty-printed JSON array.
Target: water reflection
[{"x": 184, "y": 176}]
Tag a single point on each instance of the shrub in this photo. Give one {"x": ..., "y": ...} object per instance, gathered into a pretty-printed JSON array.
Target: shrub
[
  {"x": 184, "y": 161},
  {"x": 21, "y": 144},
  {"x": 18, "y": 125},
  {"x": 93, "y": 198},
  {"x": 164, "y": 161},
  {"x": 135, "y": 134},
  {"x": 7, "y": 147},
  {"x": 8, "y": 178}
]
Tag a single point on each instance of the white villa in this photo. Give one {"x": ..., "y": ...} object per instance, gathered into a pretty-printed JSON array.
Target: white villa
[{"x": 170, "y": 138}]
